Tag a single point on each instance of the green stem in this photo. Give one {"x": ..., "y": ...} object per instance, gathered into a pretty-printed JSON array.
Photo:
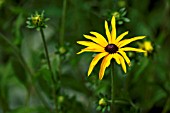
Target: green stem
[
  {"x": 47, "y": 55},
  {"x": 166, "y": 107},
  {"x": 121, "y": 102},
  {"x": 134, "y": 105},
  {"x": 49, "y": 65},
  {"x": 28, "y": 96},
  {"x": 112, "y": 88},
  {"x": 21, "y": 60},
  {"x": 63, "y": 23}
]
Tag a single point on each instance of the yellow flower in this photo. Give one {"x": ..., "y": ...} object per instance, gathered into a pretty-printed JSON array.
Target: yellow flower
[
  {"x": 102, "y": 102},
  {"x": 36, "y": 20},
  {"x": 147, "y": 46},
  {"x": 111, "y": 49}
]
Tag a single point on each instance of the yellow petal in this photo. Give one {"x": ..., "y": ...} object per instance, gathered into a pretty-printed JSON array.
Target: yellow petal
[
  {"x": 105, "y": 63},
  {"x": 125, "y": 57},
  {"x": 127, "y": 41},
  {"x": 90, "y": 44},
  {"x": 107, "y": 32},
  {"x": 113, "y": 33},
  {"x": 122, "y": 61},
  {"x": 100, "y": 37},
  {"x": 131, "y": 49},
  {"x": 95, "y": 60},
  {"x": 91, "y": 49},
  {"x": 146, "y": 54},
  {"x": 96, "y": 40},
  {"x": 121, "y": 36},
  {"x": 116, "y": 57},
  {"x": 87, "y": 43},
  {"x": 148, "y": 46}
]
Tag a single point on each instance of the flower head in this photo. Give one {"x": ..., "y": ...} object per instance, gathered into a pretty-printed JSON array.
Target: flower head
[
  {"x": 37, "y": 21},
  {"x": 114, "y": 48},
  {"x": 147, "y": 46},
  {"x": 102, "y": 102}
]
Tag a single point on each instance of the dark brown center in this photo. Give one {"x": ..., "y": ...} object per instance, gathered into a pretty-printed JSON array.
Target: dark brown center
[{"x": 111, "y": 48}]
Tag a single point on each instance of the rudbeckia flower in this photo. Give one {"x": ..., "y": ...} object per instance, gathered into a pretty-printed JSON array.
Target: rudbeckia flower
[
  {"x": 112, "y": 48},
  {"x": 147, "y": 46}
]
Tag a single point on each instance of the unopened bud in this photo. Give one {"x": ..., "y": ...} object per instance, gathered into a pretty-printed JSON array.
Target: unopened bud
[{"x": 102, "y": 102}]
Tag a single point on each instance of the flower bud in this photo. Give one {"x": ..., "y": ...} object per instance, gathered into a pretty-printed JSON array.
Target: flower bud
[
  {"x": 62, "y": 50},
  {"x": 116, "y": 15},
  {"x": 60, "y": 99},
  {"x": 102, "y": 102},
  {"x": 36, "y": 20}
]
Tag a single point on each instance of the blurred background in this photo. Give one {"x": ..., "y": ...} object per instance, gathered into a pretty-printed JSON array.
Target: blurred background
[{"x": 25, "y": 84}]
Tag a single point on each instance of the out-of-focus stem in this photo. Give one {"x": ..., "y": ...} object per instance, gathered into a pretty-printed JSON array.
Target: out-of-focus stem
[
  {"x": 112, "y": 88},
  {"x": 62, "y": 29}
]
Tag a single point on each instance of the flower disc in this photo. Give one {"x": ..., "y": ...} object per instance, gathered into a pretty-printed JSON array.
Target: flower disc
[{"x": 111, "y": 48}]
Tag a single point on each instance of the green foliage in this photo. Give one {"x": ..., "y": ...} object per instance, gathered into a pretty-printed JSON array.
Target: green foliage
[{"x": 120, "y": 16}]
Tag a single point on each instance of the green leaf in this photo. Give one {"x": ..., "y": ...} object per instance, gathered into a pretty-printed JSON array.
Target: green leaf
[
  {"x": 46, "y": 19},
  {"x": 43, "y": 77},
  {"x": 30, "y": 26},
  {"x": 122, "y": 10},
  {"x": 104, "y": 109},
  {"x": 38, "y": 28},
  {"x": 108, "y": 108},
  {"x": 28, "y": 22},
  {"x": 126, "y": 19},
  {"x": 120, "y": 22},
  {"x": 98, "y": 108},
  {"x": 123, "y": 13},
  {"x": 44, "y": 73}
]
